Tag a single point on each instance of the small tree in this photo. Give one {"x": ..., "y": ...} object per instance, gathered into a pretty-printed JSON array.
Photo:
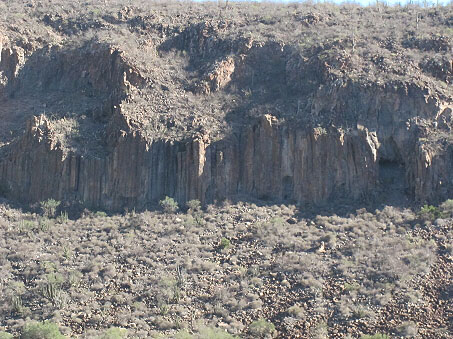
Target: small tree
[
  {"x": 49, "y": 207},
  {"x": 429, "y": 212},
  {"x": 45, "y": 330},
  {"x": 194, "y": 205},
  {"x": 262, "y": 328},
  {"x": 169, "y": 205}
]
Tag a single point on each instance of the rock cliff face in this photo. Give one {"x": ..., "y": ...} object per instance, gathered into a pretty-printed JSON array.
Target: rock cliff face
[
  {"x": 345, "y": 139},
  {"x": 265, "y": 160}
]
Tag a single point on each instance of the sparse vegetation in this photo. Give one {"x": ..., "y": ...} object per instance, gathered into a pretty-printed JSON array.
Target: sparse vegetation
[
  {"x": 169, "y": 205},
  {"x": 447, "y": 208},
  {"x": 114, "y": 333},
  {"x": 375, "y": 336},
  {"x": 205, "y": 333},
  {"x": 5, "y": 335},
  {"x": 106, "y": 74},
  {"x": 45, "y": 330},
  {"x": 159, "y": 268},
  {"x": 49, "y": 207},
  {"x": 262, "y": 329},
  {"x": 224, "y": 243},
  {"x": 194, "y": 206}
]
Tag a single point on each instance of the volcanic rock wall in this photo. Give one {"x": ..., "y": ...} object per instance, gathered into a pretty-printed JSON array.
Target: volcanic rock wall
[{"x": 266, "y": 160}]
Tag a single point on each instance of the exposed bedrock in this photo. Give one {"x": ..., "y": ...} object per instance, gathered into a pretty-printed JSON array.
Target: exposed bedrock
[
  {"x": 368, "y": 137},
  {"x": 266, "y": 160}
]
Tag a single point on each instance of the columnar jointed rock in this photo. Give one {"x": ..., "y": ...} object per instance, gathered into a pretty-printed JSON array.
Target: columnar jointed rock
[
  {"x": 265, "y": 160},
  {"x": 225, "y": 117}
]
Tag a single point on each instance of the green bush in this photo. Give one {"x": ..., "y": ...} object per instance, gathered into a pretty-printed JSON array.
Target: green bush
[
  {"x": 261, "y": 328},
  {"x": 375, "y": 336},
  {"x": 429, "y": 212},
  {"x": 4, "y": 335},
  {"x": 49, "y": 207},
  {"x": 447, "y": 208},
  {"x": 194, "y": 205},
  {"x": 45, "y": 330},
  {"x": 224, "y": 243},
  {"x": 100, "y": 214},
  {"x": 169, "y": 205},
  {"x": 114, "y": 333}
]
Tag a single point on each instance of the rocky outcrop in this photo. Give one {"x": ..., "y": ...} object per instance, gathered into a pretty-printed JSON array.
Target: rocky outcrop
[
  {"x": 95, "y": 75},
  {"x": 218, "y": 77},
  {"x": 429, "y": 173},
  {"x": 11, "y": 59},
  {"x": 302, "y": 133},
  {"x": 266, "y": 160}
]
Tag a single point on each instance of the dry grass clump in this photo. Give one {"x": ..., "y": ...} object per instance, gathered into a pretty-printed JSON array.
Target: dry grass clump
[{"x": 246, "y": 269}]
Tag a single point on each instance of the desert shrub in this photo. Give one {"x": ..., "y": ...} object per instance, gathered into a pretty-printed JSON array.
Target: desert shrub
[
  {"x": 224, "y": 243},
  {"x": 214, "y": 333},
  {"x": 16, "y": 304},
  {"x": 351, "y": 287},
  {"x": 169, "y": 292},
  {"x": 4, "y": 335},
  {"x": 319, "y": 331},
  {"x": 74, "y": 278},
  {"x": 374, "y": 336},
  {"x": 205, "y": 333},
  {"x": 407, "y": 329},
  {"x": 447, "y": 208},
  {"x": 262, "y": 328},
  {"x": 169, "y": 205},
  {"x": 16, "y": 291},
  {"x": 51, "y": 288},
  {"x": 49, "y": 207},
  {"x": 63, "y": 217},
  {"x": 194, "y": 205},
  {"x": 114, "y": 333},
  {"x": 296, "y": 311},
  {"x": 44, "y": 224},
  {"x": 45, "y": 330},
  {"x": 100, "y": 214},
  {"x": 429, "y": 212}
]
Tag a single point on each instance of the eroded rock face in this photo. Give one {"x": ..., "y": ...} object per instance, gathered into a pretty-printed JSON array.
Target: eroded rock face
[
  {"x": 11, "y": 59},
  {"x": 341, "y": 138},
  {"x": 218, "y": 77},
  {"x": 266, "y": 160}
]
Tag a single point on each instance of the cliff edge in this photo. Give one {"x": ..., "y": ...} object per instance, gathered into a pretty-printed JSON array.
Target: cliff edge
[{"x": 118, "y": 107}]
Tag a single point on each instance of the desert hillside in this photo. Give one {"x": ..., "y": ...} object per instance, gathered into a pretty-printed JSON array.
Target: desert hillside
[
  {"x": 243, "y": 270},
  {"x": 225, "y": 169},
  {"x": 117, "y": 105}
]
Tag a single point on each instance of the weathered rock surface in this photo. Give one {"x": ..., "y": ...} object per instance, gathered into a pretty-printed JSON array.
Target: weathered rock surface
[
  {"x": 266, "y": 160},
  {"x": 344, "y": 140}
]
